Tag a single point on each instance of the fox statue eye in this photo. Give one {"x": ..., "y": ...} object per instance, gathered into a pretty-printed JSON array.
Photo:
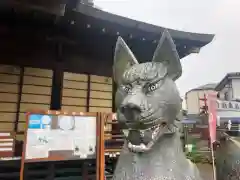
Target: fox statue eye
[
  {"x": 127, "y": 88},
  {"x": 152, "y": 87}
]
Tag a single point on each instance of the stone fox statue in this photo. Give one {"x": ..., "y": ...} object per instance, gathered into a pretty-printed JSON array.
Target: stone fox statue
[{"x": 148, "y": 102}]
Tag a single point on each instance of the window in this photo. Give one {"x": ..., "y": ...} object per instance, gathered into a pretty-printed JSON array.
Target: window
[{"x": 226, "y": 96}]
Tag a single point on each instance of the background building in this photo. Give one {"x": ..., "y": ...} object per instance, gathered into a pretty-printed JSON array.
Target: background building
[
  {"x": 229, "y": 87},
  {"x": 192, "y": 97}
]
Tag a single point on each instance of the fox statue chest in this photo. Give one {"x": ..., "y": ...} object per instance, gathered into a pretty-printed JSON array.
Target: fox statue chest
[
  {"x": 165, "y": 163},
  {"x": 141, "y": 169}
]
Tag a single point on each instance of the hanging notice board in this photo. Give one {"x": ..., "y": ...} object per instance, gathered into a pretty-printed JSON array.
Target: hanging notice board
[{"x": 58, "y": 136}]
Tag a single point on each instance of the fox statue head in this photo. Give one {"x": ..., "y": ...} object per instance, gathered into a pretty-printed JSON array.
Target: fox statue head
[{"x": 147, "y": 98}]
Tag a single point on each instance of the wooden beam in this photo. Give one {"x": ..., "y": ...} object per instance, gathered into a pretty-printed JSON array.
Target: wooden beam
[{"x": 56, "y": 7}]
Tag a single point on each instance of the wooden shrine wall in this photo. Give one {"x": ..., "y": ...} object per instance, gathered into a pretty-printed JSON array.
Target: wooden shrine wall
[
  {"x": 74, "y": 92},
  {"x": 100, "y": 99},
  {"x": 27, "y": 88},
  {"x": 35, "y": 93},
  {"x": 83, "y": 92},
  {"x": 9, "y": 96},
  {"x": 100, "y": 96},
  {"x": 32, "y": 65}
]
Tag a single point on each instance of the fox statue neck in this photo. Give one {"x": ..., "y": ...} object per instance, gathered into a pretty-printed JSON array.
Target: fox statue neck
[
  {"x": 166, "y": 160},
  {"x": 166, "y": 149}
]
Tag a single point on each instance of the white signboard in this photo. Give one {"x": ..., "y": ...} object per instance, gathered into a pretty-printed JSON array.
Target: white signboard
[
  {"x": 228, "y": 113},
  {"x": 228, "y": 106},
  {"x": 72, "y": 137}
]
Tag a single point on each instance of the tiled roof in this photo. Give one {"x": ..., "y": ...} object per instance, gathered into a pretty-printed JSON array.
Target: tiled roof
[
  {"x": 209, "y": 86},
  {"x": 225, "y": 80}
]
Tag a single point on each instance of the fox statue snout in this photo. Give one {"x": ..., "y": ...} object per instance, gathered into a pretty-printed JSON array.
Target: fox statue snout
[{"x": 131, "y": 112}]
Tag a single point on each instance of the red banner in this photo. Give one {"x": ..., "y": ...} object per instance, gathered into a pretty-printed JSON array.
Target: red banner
[{"x": 212, "y": 115}]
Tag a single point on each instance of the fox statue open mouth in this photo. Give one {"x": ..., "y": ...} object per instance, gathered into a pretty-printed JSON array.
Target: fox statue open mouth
[
  {"x": 148, "y": 102},
  {"x": 142, "y": 140}
]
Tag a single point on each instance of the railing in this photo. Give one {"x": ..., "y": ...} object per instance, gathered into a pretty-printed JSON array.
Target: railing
[
  {"x": 7, "y": 144},
  {"x": 113, "y": 144},
  {"x": 113, "y": 138},
  {"x": 58, "y": 170}
]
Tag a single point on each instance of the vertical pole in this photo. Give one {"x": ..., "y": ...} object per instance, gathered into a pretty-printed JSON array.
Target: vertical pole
[
  {"x": 212, "y": 115},
  {"x": 205, "y": 100},
  {"x": 102, "y": 139},
  {"x": 185, "y": 129},
  {"x": 100, "y": 144},
  {"x": 213, "y": 163}
]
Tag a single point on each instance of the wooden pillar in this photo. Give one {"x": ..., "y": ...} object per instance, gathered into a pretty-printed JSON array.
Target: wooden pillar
[
  {"x": 114, "y": 89},
  {"x": 56, "y": 96},
  {"x": 51, "y": 171},
  {"x": 19, "y": 98},
  {"x": 88, "y": 93},
  {"x": 114, "y": 127}
]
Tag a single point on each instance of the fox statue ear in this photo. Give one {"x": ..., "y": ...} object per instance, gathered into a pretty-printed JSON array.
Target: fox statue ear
[
  {"x": 123, "y": 60},
  {"x": 167, "y": 54}
]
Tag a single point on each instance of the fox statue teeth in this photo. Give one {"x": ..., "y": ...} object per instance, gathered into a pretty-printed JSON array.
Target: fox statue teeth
[{"x": 148, "y": 102}]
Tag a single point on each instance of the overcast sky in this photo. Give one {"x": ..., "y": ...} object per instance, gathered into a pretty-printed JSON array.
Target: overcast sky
[{"x": 221, "y": 17}]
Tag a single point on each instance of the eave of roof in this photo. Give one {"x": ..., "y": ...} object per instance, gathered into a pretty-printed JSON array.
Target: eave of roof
[
  {"x": 148, "y": 28},
  {"x": 210, "y": 86},
  {"x": 109, "y": 17},
  {"x": 78, "y": 33},
  {"x": 226, "y": 79}
]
